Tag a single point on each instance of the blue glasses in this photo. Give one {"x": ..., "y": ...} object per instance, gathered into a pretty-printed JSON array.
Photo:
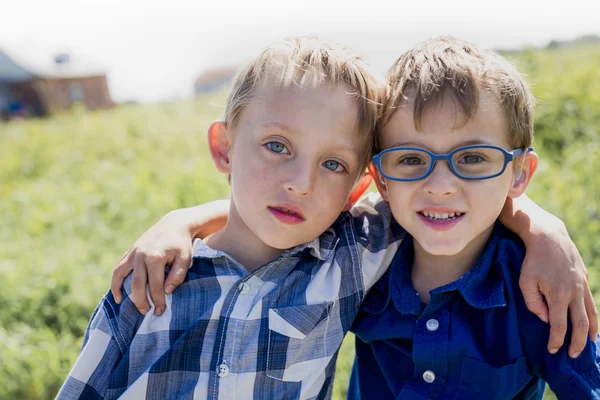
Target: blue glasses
[{"x": 469, "y": 162}]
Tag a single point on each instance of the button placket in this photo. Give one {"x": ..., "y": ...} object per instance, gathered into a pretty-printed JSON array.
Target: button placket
[{"x": 430, "y": 348}]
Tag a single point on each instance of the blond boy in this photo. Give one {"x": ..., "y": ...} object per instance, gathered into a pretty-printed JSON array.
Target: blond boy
[{"x": 269, "y": 297}]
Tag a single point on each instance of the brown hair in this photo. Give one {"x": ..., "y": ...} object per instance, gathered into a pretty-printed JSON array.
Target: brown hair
[
  {"x": 311, "y": 61},
  {"x": 447, "y": 65}
]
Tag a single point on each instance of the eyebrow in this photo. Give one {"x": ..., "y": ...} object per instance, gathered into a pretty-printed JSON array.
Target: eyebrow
[
  {"x": 278, "y": 125},
  {"x": 470, "y": 142}
]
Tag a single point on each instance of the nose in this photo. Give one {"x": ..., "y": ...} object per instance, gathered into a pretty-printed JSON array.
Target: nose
[
  {"x": 300, "y": 178},
  {"x": 441, "y": 181}
]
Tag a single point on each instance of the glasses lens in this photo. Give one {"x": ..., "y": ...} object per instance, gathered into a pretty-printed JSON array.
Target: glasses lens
[
  {"x": 405, "y": 163},
  {"x": 478, "y": 162}
]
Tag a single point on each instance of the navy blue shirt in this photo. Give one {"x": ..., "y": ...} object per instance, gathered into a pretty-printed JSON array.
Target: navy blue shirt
[{"x": 475, "y": 339}]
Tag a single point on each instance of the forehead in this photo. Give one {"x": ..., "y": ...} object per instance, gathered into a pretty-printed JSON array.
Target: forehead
[
  {"x": 320, "y": 101},
  {"x": 444, "y": 123},
  {"x": 311, "y": 108}
]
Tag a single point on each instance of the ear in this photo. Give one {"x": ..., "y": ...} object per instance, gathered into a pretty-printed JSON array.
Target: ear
[
  {"x": 523, "y": 174},
  {"x": 359, "y": 189},
  {"x": 219, "y": 145},
  {"x": 379, "y": 181}
]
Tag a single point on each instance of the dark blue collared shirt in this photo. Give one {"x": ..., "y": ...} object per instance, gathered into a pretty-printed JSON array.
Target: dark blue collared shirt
[{"x": 475, "y": 339}]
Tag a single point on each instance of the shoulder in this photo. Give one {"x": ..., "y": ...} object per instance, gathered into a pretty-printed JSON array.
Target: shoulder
[
  {"x": 124, "y": 317},
  {"x": 533, "y": 333},
  {"x": 374, "y": 224},
  {"x": 510, "y": 250}
]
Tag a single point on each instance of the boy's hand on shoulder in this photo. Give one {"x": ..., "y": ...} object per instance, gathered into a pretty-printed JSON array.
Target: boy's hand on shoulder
[
  {"x": 168, "y": 242},
  {"x": 554, "y": 282}
]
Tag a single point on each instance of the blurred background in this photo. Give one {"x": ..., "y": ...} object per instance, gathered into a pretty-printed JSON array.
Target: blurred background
[{"x": 104, "y": 107}]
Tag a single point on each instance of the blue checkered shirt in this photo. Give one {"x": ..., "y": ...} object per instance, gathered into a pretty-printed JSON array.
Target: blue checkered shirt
[{"x": 229, "y": 334}]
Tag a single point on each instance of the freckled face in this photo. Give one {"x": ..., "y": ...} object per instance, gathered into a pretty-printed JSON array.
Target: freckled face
[{"x": 295, "y": 157}]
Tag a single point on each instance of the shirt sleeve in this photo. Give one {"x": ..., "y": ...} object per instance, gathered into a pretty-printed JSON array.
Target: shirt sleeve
[
  {"x": 577, "y": 379},
  {"x": 378, "y": 236},
  {"x": 105, "y": 342}
]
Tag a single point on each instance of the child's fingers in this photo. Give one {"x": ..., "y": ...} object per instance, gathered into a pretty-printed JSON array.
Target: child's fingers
[
  {"x": 533, "y": 298},
  {"x": 592, "y": 312},
  {"x": 123, "y": 268},
  {"x": 581, "y": 326},
  {"x": 156, "y": 276},
  {"x": 178, "y": 272},
  {"x": 558, "y": 312},
  {"x": 138, "y": 285}
]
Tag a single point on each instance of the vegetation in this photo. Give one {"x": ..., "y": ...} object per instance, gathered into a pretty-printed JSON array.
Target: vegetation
[{"x": 76, "y": 190}]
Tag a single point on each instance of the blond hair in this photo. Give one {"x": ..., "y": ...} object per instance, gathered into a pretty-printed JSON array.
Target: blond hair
[
  {"x": 311, "y": 61},
  {"x": 447, "y": 65}
]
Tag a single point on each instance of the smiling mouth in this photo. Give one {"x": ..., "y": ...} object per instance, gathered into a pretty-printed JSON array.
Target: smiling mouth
[{"x": 441, "y": 216}]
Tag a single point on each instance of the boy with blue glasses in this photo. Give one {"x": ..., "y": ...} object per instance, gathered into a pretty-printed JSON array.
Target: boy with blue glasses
[{"x": 448, "y": 320}]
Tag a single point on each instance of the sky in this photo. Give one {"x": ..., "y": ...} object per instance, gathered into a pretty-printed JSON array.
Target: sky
[{"x": 154, "y": 49}]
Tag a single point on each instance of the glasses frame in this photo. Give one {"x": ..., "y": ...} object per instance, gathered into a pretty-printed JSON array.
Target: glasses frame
[{"x": 508, "y": 157}]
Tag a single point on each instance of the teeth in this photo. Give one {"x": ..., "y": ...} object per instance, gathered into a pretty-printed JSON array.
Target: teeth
[
  {"x": 442, "y": 216},
  {"x": 287, "y": 211}
]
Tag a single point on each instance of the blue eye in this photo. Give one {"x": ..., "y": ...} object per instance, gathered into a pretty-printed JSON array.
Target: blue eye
[
  {"x": 333, "y": 165},
  {"x": 276, "y": 147}
]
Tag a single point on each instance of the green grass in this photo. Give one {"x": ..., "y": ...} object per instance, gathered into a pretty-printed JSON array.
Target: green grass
[{"x": 76, "y": 190}]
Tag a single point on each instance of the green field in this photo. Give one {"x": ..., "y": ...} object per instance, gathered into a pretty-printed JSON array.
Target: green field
[{"x": 76, "y": 190}]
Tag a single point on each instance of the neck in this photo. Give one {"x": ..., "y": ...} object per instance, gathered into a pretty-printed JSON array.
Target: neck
[
  {"x": 237, "y": 240},
  {"x": 430, "y": 271}
]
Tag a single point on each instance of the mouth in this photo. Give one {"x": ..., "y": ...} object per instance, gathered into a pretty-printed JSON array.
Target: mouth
[{"x": 288, "y": 214}]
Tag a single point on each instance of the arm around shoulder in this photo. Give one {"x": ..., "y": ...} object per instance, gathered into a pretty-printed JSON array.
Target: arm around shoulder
[
  {"x": 378, "y": 236},
  {"x": 554, "y": 277}
]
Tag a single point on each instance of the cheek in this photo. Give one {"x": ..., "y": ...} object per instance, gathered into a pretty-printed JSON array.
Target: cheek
[
  {"x": 332, "y": 191},
  {"x": 399, "y": 197},
  {"x": 490, "y": 195},
  {"x": 248, "y": 167}
]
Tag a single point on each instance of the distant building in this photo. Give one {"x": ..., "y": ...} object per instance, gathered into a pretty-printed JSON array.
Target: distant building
[
  {"x": 38, "y": 84},
  {"x": 214, "y": 80}
]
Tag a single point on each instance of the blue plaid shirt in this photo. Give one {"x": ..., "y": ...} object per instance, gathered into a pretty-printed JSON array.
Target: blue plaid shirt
[
  {"x": 229, "y": 334},
  {"x": 475, "y": 339}
]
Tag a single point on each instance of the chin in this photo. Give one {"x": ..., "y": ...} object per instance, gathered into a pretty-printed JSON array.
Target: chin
[
  {"x": 282, "y": 241},
  {"x": 442, "y": 248}
]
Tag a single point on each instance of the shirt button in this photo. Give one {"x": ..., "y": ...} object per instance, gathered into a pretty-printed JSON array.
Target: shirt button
[
  {"x": 223, "y": 371},
  {"x": 244, "y": 288},
  {"x": 429, "y": 376},
  {"x": 432, "y": 325}
]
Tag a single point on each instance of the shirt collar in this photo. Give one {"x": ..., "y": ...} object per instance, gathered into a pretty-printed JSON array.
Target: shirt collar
[
  {"x": 321, "y": 247},
  {"x": 395, "y": 285},
  {"x": 325, "y": 244},
  {"x": 482, "y": 286}
]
